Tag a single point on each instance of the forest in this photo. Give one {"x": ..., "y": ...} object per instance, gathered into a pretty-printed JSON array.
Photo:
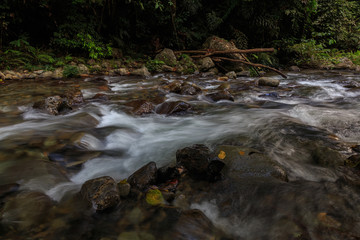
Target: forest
[{"x": 44, "y": 32}]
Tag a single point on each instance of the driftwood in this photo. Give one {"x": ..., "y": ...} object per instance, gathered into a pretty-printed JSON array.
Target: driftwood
[{"x": 213, "y": 54}]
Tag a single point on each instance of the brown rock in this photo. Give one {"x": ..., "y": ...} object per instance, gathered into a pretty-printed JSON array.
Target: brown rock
[
  {"x": 221, "y": 95},
  {"x": 172, "y": 107},
  {"x": 102, "y": 193},
  {"x": 195, "y": 159},
  {"x": 144, "y": 177}
]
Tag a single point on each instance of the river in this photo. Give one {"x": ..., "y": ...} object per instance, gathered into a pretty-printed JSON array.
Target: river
[{"x": 308, "y": 126}]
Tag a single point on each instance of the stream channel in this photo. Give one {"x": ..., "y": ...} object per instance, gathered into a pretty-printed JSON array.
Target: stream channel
[{"x": 308, "y": 127}]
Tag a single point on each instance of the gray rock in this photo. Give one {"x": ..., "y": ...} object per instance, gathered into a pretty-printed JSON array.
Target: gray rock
[
  {"x": 294, "y": 69},
  {"x": 231, "y": 75},
  {"x": 243, "y": 74},
  {"x": 144, "y": 177},
  {"x": 167, "y": 56},
  {"x": 141, "y": 107},
  {"x": 266, "y": 81},
  {"x": 58, "y": 73},
  {"x": 102, "y": 193},
  {"x": 144, "y": 72},
  {"x": 83, "y": 69},
  {"x": 345, "y": 63},
  {"x": 205, "y": 64},
  {"x": 47, "y": 74},
  {"x": 122, "y": 71},
  {"x": 53, "y": 104}
]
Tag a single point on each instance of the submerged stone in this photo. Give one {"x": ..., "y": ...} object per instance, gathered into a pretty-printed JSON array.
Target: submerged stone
[{"x": 144, "y": 177}]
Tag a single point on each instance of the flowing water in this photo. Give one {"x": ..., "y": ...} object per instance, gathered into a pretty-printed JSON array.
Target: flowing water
[{"x": 306, "y": 125}]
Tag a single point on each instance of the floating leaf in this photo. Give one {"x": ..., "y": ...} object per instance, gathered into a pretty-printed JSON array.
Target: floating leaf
[
  {"x": 154, "y": 197},
  {"x": 124, "y": 181},
  {"x": 241, "y": 153},
  {"x": 222, "y": 155}
]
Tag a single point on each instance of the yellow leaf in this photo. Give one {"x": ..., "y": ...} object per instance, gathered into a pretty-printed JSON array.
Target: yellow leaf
[
  {"x": 124, "y": 181},
  {"x": 154, "y": 197},
  {"x": 222, "y": 155},
  {"x": 241, "y": 153}
]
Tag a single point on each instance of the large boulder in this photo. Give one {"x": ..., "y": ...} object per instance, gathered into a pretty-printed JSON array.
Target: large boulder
[
  {"x": 204, "y": 64},
  {"x": 102, "y": 193},
  {"x": 144, "y": 177},
  {"x": 169, "y": 108},
  {"x": 220, "y": 44},
  {"x": 167, "y": 56}
]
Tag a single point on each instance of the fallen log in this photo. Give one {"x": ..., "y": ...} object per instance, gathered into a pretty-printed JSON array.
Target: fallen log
[
  {"x": 251, "y": 64},
  {"x": 210, "y": 52}
]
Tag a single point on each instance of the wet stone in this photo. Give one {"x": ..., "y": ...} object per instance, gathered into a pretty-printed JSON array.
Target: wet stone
[
  {"x": 169, "y": 108},
  {"x": 102, "y": 193},
  {"x": 221, "y": 95},
  {"x": 141, "y": 107},
  {"x": 195, "y": 159},
  {"x": 266, "y": 81},
  {"x": 124, "y": 189},
  {"x": 144, "y": 177}
]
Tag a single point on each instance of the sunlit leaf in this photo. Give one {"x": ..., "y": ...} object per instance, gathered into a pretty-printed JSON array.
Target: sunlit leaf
[
  {"x": 154, "y": 197},
  {"x": 222, "y": 155},
  {"x": 241, "y": 153}
]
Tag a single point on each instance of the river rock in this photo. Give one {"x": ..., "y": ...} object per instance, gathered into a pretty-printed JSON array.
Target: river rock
[
  {"x": 294, "y": 69},
  {"x": 73, "y": 97},
  {"x": 58, "y": 73},
  {"x": 231, "y": 75},
  {"x": 167, "y": 56},
  {"x": 144, "y": 72},
  {"x": 144, "y": 177},
  {"x": 122, "y": 71},
  {"x": 345, "y": 63},
  {"x": 204, "y": 64},
  {"x": 220, "y": 44},
  {"x": 102, "y": 193},
  {"x": 220, "y": 95},
  {"x": 195, "y": 159},
  {"x": 100, "y": 97},
  {"x": 47, "y": 74},
  {"x": 141, "y": 107},
  {"x": 55, "y": 104},
  {"x": 243, "y": 74},
  {"x": 169, "y": 108},
  {"x": 2, "y": 76},
  {"x": 83, "y": 69},
  {"x": 189, "y": 89},
  {"x": 266, "y": 81},
  {"x": 124, "y": 189},
  {"x": 167, "y": 68},
  {"x": 26, "y": 210}
]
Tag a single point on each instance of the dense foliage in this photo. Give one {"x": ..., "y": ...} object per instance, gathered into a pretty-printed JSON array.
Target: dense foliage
[{"x": 104, "y": 28}]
